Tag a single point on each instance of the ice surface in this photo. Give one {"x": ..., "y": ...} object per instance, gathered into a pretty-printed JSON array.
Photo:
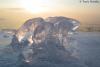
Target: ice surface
[{"x": 87, "y": 45}]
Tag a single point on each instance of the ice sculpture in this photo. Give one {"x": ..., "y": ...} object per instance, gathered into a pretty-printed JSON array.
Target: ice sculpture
[{"x": 43, "y": 38}]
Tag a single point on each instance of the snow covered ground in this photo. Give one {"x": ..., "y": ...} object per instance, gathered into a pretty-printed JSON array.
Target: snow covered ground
[{"x": 86, "y": 43}]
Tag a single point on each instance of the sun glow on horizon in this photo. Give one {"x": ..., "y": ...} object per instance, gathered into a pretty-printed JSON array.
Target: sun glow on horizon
[{"x": 34, "y": 6}]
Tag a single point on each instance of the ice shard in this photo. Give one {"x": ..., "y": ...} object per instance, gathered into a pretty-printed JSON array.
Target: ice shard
[{"x": 43, "y": 38}]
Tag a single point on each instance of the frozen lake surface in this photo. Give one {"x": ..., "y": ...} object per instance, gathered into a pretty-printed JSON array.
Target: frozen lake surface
[
  {"x": 89, "y": 48},
  {"x": 86, "y": 43}
]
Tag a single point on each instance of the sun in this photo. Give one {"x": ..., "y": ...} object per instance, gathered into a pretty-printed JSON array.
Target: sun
[{"x": 33, "y": 6}]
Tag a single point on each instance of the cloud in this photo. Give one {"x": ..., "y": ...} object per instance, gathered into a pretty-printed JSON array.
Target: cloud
[
  {"x": 16, "y": 8},
  {"x": 3, "y": 19}
]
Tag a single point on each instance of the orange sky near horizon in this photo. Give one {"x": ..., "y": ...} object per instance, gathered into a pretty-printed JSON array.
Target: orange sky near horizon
[{"x": 13, "y": 15}]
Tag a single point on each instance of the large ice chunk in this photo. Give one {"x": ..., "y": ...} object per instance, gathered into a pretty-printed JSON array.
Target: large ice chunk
[{"x": 46, "y": 37}]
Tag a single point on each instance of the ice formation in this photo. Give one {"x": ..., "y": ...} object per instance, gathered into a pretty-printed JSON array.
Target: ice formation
[{"x": 44, "y": 39}]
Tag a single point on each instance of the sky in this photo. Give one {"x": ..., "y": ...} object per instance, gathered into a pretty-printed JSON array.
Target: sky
[{"x": 13, "y": 13}]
